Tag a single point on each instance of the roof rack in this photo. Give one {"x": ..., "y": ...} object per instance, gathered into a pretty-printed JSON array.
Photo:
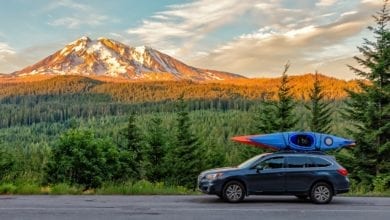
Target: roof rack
[{"x": 300, "y": 152}]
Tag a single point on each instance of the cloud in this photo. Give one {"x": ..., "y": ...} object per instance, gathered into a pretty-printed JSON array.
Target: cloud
[
  {"x": 326, "y": 3},
  {"x": 78, "y": 21},
  {"x": 184, "y": 25},
  {"x": 374, "y": 2},
  {"x": 12, "y": 60},
  {"x": 7, "y": 57},
  {"x": 5, "y": 50},
  {"x": 68, "y": 4},
  {"x": 79, "y": 16},
  {"x": 317, "y": 44}
]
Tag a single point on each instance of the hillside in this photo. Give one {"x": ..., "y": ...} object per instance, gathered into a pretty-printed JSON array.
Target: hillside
[
  {"x": 108, "y": 58},
  {"x": 146, "y": 91}
]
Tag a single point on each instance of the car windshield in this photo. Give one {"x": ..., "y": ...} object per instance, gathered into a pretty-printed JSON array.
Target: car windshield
[{"x": 251, "y": 160}]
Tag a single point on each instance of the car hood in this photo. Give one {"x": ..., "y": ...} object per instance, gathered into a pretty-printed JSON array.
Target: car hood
[{"x": 220, "y": 170}]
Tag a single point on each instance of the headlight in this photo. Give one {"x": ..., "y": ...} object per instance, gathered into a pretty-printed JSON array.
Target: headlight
[{"x": 214, "y": 176}]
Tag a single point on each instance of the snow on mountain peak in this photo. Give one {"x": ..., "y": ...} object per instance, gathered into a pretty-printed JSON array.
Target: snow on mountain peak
[
  {"x": 111, "y": 58},
  {"x": 140, "y": 50},
  {"x": 85, "y": 38}
]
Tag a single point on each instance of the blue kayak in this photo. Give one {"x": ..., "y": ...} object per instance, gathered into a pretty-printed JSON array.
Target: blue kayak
[{"x": 298, "y": 141}]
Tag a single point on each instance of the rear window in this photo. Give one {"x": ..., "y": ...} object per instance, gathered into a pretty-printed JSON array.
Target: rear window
[
  {"x": 298, "y": 162},
  {"x": 319, "y": 162}
]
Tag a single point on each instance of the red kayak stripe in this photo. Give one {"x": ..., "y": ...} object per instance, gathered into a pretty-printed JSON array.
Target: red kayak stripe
[{"x": 246, "y": 140}]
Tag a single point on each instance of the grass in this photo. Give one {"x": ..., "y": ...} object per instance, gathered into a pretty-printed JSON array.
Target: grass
[
  {"x": 142, "y": 188},
  {"x": 64, "y": 189},
  {"x": 128, "y": 188},
  {"x": 369, "y": 194}
]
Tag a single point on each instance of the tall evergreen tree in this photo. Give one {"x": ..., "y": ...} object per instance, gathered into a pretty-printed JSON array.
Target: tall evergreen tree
[
  {"x": 277, "y": 115},
  {"x": 265, "y": 118},
  {"x": 7, "y": 163},
  {"x": 285, "y": 117},
  {"x": 132, "y": 151},
  {"x": 185, "y": 156},
  {"x": 156, "y": 151},
  {"x": 320, "y": 111},
  {"x": 369, "y": 108}
]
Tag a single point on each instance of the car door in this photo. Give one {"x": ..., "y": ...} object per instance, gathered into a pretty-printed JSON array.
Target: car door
[
  {"x": 267, "y": 176},
  {"x": 299, "y": 173}
]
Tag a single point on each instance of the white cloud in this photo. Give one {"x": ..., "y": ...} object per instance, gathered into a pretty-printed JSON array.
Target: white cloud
[
  {"x": 68, "y": 4},
  {"x": 319, "y": 44},
  {"x": 326, "y": 3},
  {"x": 7, "y": 55},
  {"x": 374, "y": 2},
  {"x": 78, "y": 21},
  {"x": 184, "y": 25},
  {"x": 81, "y": 15},
  {"x": 5, "y": 50},
  {"x": 348, "y": 13}
]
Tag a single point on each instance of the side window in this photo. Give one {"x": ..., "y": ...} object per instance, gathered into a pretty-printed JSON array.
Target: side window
[
  {"x": 272, "y": 163},
  {"x": 297, "y": 162},
  {"x": 311, "y": 162},
  {"x": 319, "y": 162}
]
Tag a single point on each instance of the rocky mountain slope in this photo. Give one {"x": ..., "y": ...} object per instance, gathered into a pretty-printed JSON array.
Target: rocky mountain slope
[{"x": 106, "y": 57}]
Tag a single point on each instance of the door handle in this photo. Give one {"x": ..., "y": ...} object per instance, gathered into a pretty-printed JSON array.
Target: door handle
[{"x": 281, "y": 174}]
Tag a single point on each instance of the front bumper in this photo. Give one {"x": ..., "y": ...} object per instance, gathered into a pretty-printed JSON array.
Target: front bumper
[{"x": 210, "y": 186}]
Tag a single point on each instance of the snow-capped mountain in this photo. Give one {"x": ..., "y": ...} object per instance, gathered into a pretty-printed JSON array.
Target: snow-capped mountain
[{"x": 105, "y": 57}]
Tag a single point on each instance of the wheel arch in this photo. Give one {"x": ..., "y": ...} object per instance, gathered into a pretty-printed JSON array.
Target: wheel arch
[
  {"x": 322, "y": 181},
  {"x": 238, "y": 180}
]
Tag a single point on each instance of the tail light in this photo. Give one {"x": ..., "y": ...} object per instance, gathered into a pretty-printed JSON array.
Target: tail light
[{"x": 343, "y": 171}]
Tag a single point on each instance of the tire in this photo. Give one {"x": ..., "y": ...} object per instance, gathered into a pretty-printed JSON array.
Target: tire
[
  {"x": 321, "y": 193},
  {"x": 233, "y": 192},
  {"x": 301, "y": 197}
]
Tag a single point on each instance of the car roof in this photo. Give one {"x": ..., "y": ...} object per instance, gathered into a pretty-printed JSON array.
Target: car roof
[{"x": 300, "y": 153}]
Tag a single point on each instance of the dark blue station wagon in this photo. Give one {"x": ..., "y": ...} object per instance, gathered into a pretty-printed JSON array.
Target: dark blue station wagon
[{"x": 313, "y": 176}]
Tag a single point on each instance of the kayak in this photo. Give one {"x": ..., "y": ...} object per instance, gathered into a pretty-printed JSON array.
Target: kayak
[{"x": 298, "y": 141}]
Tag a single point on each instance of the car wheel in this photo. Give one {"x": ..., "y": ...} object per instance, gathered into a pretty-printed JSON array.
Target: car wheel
[
  {"x": 301, "y": 197},
  {"x": 233, "y": 191},
  {"x": 321, "y": 193}
]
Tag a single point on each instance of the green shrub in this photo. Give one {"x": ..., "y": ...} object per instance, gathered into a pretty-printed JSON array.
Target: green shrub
[
  {"x": 27, "y": 189},
  {"x": 381, "y": 183},
  {"x": 65, "y": 189},
  {"x": 7, "y": 188},
  {"x": 82, "y": 159},
  {"x": 7, "y": 163},
  {"x": 141, "y": 187}
]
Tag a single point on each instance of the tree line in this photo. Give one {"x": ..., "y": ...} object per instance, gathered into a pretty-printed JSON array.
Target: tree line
[{"x": 174, "y": 146}]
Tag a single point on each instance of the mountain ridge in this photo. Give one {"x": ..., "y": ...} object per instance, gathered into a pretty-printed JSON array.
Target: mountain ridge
[
  {"x": 106, "y": 57},
  {"x": 141, "y": 91}
]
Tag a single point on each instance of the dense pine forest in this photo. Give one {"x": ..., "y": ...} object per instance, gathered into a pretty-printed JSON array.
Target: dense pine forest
[
  {"x": 36, "y": 115},
  {"x": 94, "y": 133}
]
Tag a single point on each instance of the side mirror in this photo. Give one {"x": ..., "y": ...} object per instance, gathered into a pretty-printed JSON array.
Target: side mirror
[{"x": 259, "y": 168}]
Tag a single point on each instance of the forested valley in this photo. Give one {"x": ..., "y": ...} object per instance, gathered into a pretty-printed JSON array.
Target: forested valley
[
  {"x": 35, "y": 116},
  {"x": 74, "y": 134}
]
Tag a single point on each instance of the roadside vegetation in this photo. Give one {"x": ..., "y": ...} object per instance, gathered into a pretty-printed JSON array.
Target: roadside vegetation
[{"x": 74, "y": 142}]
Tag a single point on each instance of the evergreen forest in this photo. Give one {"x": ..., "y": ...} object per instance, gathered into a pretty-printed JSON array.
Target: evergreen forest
[{"x": 91, "y": 134}]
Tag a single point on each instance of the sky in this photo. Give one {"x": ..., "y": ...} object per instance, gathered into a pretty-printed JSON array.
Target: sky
[{"x": 254, "y": 38}]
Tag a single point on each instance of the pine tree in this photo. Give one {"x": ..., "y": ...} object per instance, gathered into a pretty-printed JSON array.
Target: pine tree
[
  {"x": 7, "y": 163},
  {"x": 275, "y": 116},
  {"x": 185, "y": 156},
  {"x": 156, "y": 151},
  {"x": 285, "y": 117},
  {"x": 132, "y": 151},
  {"x": 369, "y": 108},
  {"x": 320, "y": 111},
  {"x": 265, "y": 118}
]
